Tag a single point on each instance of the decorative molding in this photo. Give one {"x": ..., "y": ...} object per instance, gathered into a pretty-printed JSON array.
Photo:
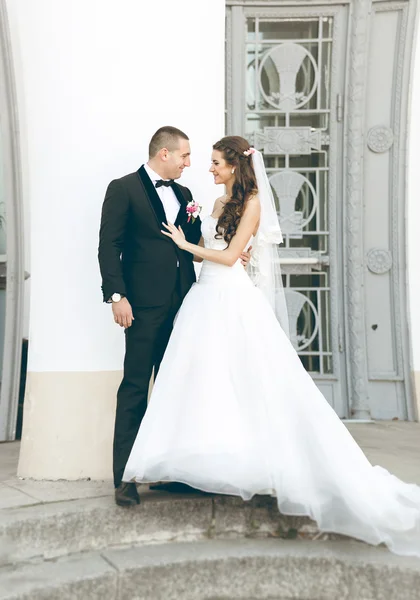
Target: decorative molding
[
  {"x": 385, "y": 376},
  {"x": 293, "y": 10},
  {"x": 380, "y": 138},
  {"x": 291, "y": 3},
  {"x": 356, "y": 327},
  {"x": 397, "y": 166},
  {"x": 291, "y": 140},
  {"x": 325, "y": 139},
  {"x": 389, "y": 5},
  {"x": 379, "y": 261}
]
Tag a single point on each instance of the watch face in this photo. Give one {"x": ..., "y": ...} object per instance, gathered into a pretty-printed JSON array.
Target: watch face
[{"x": 116, "y": 297}]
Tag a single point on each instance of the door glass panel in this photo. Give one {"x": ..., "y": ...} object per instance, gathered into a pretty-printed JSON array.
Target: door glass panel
[
  {"x": 286, "y": 29},
  {"x": 287, "y": 113}
]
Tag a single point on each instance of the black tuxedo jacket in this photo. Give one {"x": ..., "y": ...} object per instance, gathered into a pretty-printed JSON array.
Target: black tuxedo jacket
[{"x": 135, "y": 258}]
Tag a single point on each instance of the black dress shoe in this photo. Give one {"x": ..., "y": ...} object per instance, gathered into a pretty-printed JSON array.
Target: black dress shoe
[
  {"x": 126, "y": 494},
  {"x": 175, "y": 487}
]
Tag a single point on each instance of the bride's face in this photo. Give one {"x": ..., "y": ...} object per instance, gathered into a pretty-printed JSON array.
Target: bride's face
[{"x": 220, "y": 169}]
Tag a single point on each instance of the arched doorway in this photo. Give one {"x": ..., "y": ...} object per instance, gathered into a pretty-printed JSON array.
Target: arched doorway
[
  {"x": 306, "y": 84},
  {"x": 11, "y": 240}
]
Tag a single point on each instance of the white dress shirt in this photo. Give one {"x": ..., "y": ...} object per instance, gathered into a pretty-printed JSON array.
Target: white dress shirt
[{"x": 167, "y": 196}]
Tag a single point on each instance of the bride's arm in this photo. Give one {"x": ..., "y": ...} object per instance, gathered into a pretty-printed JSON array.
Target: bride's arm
[
  {"x": 230, "y": 255},
  {"x": 198, "y": 258},
  {"x": 216, "y": 206}
]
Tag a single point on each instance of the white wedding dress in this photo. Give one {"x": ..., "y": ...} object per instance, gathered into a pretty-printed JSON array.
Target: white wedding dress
[{"x": 233, "y": 411}]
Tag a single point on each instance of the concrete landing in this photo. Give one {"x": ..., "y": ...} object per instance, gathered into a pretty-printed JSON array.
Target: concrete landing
[
  {"x": 394, "y": 445},
  {"x": 61, "y": 539}
]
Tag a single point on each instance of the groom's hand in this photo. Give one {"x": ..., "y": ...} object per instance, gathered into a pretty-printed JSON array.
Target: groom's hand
[
  {"x": 246, "y": 257},
  {"x": 123, "y": 314}
]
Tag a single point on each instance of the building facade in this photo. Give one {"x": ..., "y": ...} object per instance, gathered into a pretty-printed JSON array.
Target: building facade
[{"x": 326, "y": 90}]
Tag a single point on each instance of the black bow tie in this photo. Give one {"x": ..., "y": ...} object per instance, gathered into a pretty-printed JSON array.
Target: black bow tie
[{"x": 160, "y": 182}]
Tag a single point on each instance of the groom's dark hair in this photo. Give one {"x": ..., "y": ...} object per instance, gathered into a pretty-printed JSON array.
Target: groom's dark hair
[{"x": 166, "y": 137}]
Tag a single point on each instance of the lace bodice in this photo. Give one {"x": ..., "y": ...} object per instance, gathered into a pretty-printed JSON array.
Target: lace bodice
[
  {"x": 208, "y": 230},
  {"x": 216, "y": 273}
]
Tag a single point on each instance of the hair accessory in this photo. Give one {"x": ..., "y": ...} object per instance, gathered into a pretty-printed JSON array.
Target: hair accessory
[{"x": 249, "y": 151}]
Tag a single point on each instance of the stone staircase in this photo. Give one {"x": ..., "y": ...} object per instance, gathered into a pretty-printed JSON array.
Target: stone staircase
[{"x": 188, "y": 547}]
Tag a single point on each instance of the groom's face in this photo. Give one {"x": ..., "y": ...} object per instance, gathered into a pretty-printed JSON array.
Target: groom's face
[{"x": 178, "y": 159}]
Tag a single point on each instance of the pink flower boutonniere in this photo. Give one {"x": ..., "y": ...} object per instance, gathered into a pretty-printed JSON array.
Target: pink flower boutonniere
[{"x": 193, "y": 210}]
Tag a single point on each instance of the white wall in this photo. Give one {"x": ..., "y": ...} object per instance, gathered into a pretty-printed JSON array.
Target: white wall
[{"x": 95, "y": 79}]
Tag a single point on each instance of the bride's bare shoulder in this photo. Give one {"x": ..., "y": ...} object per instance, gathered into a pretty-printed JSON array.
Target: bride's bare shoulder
[
  {"x": 219, "y": 200},
  {"x": 253, "y": 204},
  {"x": 218, "y": 204}
]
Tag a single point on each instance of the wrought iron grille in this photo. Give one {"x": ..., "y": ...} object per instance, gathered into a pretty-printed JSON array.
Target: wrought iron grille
[{"x": 287, "y": 116}]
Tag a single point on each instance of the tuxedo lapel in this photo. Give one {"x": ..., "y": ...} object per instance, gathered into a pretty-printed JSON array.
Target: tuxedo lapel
[
  {"x": 153, "y": 197},
  {"x": 182, "y": 214}
]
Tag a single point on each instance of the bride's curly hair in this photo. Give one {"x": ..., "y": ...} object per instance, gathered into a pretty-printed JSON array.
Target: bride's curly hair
[{"x": 232, "y": 148}]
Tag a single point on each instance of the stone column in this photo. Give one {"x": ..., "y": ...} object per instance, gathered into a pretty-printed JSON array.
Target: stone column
[{"x": 356, "y": 326}]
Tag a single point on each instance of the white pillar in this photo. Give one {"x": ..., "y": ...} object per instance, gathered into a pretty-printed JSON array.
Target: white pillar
[{"x": 95, "y": 80}]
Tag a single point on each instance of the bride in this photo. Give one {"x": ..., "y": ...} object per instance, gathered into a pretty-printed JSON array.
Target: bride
[{"x": 233, "y": 410}]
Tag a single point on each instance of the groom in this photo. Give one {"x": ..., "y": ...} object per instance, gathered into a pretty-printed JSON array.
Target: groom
[{"x": 145, "y": 277}]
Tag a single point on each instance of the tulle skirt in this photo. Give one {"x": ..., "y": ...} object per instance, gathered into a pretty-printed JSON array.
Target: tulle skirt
[{"x": 233, "y": 411}]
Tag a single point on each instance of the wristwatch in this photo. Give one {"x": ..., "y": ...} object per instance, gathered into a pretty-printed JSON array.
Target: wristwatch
[{"x": 116, "y": 297}]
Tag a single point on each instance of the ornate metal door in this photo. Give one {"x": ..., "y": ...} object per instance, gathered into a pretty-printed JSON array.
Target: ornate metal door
[
  {"x": 322, "y": 90},
  {"x": 287, "y": 102}
]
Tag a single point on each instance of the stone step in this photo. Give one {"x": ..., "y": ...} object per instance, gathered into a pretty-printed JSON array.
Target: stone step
[
  {"x": 58, "y": 528},
  {"x": 219, "y": 570}
]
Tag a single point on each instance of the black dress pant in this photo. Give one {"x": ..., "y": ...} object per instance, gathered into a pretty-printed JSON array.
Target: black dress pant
[{"x": 145, "y": 344}]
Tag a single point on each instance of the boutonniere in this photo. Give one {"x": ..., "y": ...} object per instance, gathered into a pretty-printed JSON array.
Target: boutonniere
[{"x": 193, "y": 210}]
